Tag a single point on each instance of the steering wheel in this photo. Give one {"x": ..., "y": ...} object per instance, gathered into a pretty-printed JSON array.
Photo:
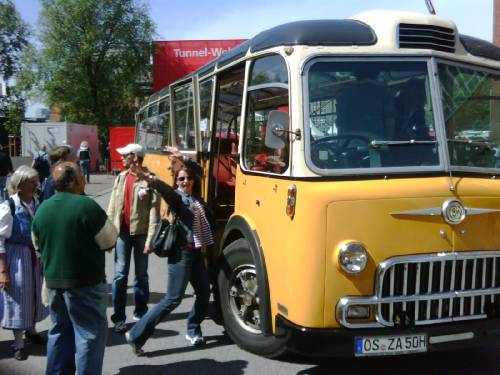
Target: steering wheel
[{"x": 340, "y": 151}]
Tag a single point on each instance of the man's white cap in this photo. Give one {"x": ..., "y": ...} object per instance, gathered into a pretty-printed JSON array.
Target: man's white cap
[{"x": 131, "y": 148}]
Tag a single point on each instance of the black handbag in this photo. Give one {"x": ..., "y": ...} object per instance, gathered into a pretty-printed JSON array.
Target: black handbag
[{"x": 163, "y": 243}]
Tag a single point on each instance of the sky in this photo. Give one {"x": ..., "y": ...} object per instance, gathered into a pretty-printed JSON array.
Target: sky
[{"x": 238, "y": 19}]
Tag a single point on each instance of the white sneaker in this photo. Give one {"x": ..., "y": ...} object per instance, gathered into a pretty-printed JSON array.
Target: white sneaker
[{"x": 195, "y": 340}]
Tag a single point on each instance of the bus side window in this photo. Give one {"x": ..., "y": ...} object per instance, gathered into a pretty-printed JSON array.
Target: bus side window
[
  {"x": 206, "y": 93},
  {"x": 267, "y": 91},
  {"x": 165, "y": 118},
  {"x": 184, "y": 117}
]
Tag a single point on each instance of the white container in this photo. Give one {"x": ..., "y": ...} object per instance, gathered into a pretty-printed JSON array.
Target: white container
[{"x": 34, "y": 135}]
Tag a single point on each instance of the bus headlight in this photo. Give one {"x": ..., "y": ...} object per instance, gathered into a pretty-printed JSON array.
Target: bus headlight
[{"x": 353, "y": 257}]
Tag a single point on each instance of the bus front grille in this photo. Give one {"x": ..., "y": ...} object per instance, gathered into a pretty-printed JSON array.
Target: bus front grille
[{"x": 431, "y": 289}]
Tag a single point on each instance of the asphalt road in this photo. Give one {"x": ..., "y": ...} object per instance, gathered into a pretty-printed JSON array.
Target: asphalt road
[{"x": 169, "y": 353}]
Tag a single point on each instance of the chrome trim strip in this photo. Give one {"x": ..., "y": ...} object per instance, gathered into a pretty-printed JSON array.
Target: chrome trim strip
[
  {"x": 473, "y": 286},
  {"x": 494, "y": 274},
  {"x": 405, "y": 284},
  {"x": 462, "y": 286},
  {"x": 417, "y": 289},
  {"x": 452, "y": 287},
  {"x": 435, "y": 211},
  {"x": 448, "y": 338},
  {"x": 483, "y": 285},
  {"x": 391, "y": 307},
  {"x": 345, "y": 302},
  {"x": 479, "y": 211},
  {"x": 441, "y": 289},
  {"x": 429, "y": 289}
]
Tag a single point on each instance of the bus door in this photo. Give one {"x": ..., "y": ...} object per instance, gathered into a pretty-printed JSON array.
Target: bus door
[{"x": 224, "y": 147}]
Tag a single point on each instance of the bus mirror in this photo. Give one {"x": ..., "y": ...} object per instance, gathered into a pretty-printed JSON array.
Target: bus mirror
[{"x": 277, "y": 126}]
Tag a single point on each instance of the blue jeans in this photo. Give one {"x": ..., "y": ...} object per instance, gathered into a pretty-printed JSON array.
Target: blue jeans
[
  {"x": 79, "y": 325},
  {"x": 186, "y": 266},
  {"x": 85, "y": 167},
  {"x": 124, "y": 246},
  {"x": 3, "y": 183}
]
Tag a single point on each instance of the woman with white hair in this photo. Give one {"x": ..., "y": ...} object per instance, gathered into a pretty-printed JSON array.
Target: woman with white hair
[{"x": 20, "y": 269}]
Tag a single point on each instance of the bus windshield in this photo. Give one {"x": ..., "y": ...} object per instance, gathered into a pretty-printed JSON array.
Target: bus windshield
[
  {"x": 369, "y": 114},
  {"x": 471, "y": 109}
]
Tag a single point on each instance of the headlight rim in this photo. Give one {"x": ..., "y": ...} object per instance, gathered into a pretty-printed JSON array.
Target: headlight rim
[{"x": 345, "y": 247}]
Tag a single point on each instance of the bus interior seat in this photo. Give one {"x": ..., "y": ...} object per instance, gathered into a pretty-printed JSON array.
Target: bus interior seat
[{"x": 224, "y": 170}]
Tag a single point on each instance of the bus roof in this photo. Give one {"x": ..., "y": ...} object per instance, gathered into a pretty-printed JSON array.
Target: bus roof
[{"x": 420, "y": 31}]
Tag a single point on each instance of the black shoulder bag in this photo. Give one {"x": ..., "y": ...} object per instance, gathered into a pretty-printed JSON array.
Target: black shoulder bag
[{"x": 164, "y": 238}]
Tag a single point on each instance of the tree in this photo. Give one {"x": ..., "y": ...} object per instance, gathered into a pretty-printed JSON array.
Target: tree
[
  {"x": 15, "y": 110},
  {"x": 14, "y": 34},
  {"x": 94, "y": 55}
]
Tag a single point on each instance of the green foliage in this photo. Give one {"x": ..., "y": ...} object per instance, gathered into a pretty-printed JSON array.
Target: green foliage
[
  {"x": 15, "y": 114},
  {"x": 95, "y": 54},
  {"x": 14, "y": 35}
]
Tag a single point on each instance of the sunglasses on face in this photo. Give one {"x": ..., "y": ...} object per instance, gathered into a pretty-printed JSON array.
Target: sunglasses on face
[{"x": 182, "y": 178}]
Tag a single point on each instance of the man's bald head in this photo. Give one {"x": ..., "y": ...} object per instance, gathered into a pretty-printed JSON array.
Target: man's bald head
[{"x": 67, "y": 178}]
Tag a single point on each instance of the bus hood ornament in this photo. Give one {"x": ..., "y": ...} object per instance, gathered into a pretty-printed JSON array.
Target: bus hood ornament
[{"x": 452, "y": 210}]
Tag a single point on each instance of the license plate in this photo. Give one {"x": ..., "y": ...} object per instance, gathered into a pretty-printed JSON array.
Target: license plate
[{"x": 390, "y": 345}]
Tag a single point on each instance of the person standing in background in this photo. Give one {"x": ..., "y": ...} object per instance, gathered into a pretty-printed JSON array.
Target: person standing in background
[
  {"x": 41, "y": 164},
  {"x": 84, "y": 157},
  {"x": 134, "y": 209},
  {"x": 5, "y": 171},
  {"x": 56, "y": 155}
]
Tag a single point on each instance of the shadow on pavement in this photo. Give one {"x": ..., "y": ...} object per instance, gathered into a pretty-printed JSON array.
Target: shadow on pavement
[
  {"x": 201, "y": 367},
  {"x": 119, "y": 338},
  {"x": 31, "y": 349},
  {"x": 210, "y": 342},
  {"x": 154, "y": 297},
  {"x": 461, "y": 362}
]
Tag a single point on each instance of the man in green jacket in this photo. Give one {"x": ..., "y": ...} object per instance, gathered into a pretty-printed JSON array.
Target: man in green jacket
[{"x": 71, "y": 231}]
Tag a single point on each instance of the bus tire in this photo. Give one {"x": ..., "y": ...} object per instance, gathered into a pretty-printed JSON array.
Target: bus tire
[{"x": 239, "y": 302}]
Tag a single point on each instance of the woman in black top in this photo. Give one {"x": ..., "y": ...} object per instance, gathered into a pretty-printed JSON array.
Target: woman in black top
[{"x": 186, "y": 265}]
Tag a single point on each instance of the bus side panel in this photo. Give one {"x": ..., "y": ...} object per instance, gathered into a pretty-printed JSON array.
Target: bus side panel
[
  {"x": 293, "y": 249},
  {"x": 301, "y": 254},
  {"x": 158, "y": 164}
]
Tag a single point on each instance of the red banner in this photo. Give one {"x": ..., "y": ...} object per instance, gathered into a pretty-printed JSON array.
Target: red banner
[
  {"x": 119, "y": 137},
  {"x": 175, "y": 59}
]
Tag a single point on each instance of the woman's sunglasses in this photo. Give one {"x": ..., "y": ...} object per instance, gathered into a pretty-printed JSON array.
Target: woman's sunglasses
[{"x": 182, "y": 178}]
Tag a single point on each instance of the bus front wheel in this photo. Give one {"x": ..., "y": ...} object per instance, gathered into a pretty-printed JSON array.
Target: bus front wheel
[{"x": 239, "y": 298}]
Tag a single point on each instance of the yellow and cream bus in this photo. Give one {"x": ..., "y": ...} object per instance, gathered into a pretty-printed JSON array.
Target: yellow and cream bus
[{"x": 352, "y": 167}]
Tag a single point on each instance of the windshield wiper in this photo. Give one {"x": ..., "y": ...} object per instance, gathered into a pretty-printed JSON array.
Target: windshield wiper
[{"x": 377, "y": 143}]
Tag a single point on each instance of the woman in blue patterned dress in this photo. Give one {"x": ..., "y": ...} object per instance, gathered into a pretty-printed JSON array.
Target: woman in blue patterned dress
[{"x": 20, "y": 269}]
